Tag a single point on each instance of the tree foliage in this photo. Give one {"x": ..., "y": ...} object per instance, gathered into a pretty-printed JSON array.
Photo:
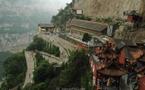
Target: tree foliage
[
  {"x": 62, "y": 17},
  {"x": 75, "y": 70},
  {"x": 83, "y": 17},
  {"x": 15, "y": 68},
  {"x": 86, "y": 37},
  {"x": 42, "y": 45},
  {"x": 39, "y": 59},
  {"x": 75, "y": 73},
  {"x": 3, "y": 57},
  {"x": 37, "y": 44},
  {"x": 45, "y": 77}
]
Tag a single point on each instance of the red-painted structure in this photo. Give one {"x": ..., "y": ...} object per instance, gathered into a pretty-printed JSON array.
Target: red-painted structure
[
  {"x": 108, "y": 64},
  {"x": 134, "y": 17},
  {"x": 122, "y": 57},
  {"x": 142, "y": 83},
  {"x": 130, "y": 18}
]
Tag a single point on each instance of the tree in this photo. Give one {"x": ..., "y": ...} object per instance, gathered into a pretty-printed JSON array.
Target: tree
[
  {"x": 75, "y": 70},
  {"x": 41, "y": 72},
  {"x": 37, "y": 44},
  {"x": 42, "y": 45},
  {"x": 44, "y": 72},
  {"x": 39, "y": 59},
  {"x": 15, "y": 68},
  {"x": 62, "y": 17},
  {"x": 75, "y": 73},
  {"x": 86, "y": 37}
]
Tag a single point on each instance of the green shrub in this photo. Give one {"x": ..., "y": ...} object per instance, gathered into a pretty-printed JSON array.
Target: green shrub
[{"x": 82, "y": 17}]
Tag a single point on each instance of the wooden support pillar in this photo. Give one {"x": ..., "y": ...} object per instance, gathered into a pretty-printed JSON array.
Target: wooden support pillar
[
  {"x": 97, "y": 82},
  {"x": 118, "y": 84}
]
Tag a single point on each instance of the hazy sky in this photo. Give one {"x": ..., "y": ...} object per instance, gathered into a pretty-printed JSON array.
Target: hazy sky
[
  {"x": 42, "y": 8},
  {"x": 52, "y": 5}
]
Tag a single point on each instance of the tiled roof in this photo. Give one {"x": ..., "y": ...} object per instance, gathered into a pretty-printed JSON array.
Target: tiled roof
[
  {"x": 121, "y": 43},
  {"x": 89, "y": 25},
  {"x": 45, "y": 25},
  {"x": 113, "y": 69},
  {"x": 128, "y": 54},
  {"x": 133, "y": 53},
  {"x": 113, "y": 72}
]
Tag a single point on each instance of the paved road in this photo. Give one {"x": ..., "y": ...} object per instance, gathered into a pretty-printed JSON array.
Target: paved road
[{"x": 30, "y": 60}]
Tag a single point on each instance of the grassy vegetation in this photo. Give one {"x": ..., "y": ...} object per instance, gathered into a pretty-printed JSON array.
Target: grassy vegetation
[
  {"x": 82, "y": 17},
  {"x": 105, "y": 20}
]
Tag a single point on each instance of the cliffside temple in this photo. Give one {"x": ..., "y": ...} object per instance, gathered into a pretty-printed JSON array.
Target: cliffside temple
[
  {"x": 111, "y": 34},
  {"x": 117, "y": 64}
]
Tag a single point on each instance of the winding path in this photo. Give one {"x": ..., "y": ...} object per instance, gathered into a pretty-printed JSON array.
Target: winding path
[
  {"x": 64, "y": 45},
  {"x": 30, "y": 56},
  {"x": 51, "y": 58},
  {"x": 30, "y": 60}
]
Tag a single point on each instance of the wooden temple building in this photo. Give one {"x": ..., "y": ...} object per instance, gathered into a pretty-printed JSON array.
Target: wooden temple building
[
  {"x": 116, "y": 64},
  {"x": 118, "y": 67},
  {"x": 77, "y": 28}
]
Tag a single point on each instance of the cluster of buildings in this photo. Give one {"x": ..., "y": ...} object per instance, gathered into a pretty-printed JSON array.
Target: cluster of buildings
[
  {"x": 117, "y": 63},
  {"x": 118, "y": 66}
]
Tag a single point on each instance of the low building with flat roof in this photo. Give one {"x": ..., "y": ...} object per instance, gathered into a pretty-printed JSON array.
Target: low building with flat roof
[
  {"x": 78, "y": 28},
  {"x": 46, "y": 28}
]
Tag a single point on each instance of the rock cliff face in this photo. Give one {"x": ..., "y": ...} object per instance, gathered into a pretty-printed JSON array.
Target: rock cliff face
[
  {"x": 108, "y": 8},
  {"x": 114, "y": 9}
]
